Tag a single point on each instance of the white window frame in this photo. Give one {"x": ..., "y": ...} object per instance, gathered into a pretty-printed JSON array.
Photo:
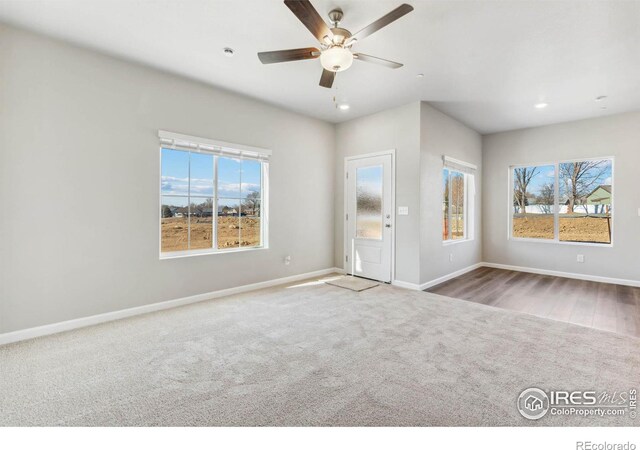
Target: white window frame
[
  {"x": 469, "y": 205},
  {"x": 556, "y": 206},
  {"x": 216, "y": 149}
]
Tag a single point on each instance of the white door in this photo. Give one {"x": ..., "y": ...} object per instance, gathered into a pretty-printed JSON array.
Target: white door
[{"x": 369, "y": 217}]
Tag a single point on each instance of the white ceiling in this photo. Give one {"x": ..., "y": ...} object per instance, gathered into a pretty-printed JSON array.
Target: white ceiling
[{"x": 484, "y": 62}]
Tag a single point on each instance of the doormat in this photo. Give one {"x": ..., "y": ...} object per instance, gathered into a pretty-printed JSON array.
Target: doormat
[{"x": 353, "y": 283}]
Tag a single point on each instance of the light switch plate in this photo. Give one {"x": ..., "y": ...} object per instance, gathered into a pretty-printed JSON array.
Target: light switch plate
[{"x": 403, "y": 210}]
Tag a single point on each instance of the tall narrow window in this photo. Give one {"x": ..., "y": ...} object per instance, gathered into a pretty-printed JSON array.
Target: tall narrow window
[
  {"x": 457, "y": 201},
  {"x": 211, "y": 199}
]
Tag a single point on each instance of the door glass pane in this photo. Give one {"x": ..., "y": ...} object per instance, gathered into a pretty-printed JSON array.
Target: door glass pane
[
  {"x": 201, "y": 223},
  {"x": 228, "y": 223},
  {"x": 174, "y": 213},
  {"x": 369, "y": 202},
  {"x": 533, "y": 202},
  {"x": 585, "y": 201}
]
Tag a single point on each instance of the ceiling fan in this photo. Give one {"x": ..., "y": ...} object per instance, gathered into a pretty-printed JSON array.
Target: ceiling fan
[{"x": 335, "y": 43}]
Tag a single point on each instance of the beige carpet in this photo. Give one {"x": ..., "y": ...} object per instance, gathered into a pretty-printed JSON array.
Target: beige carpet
[
  {"x": 352, "y": 283},
  {"x": 311, "y": 354}
]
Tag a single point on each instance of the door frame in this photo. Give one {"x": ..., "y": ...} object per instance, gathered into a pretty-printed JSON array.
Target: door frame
[{"x": 345, "y": 233}]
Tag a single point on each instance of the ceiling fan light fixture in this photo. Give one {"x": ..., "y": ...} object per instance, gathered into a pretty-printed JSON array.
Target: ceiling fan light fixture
[{"x": 336, "y": 59}]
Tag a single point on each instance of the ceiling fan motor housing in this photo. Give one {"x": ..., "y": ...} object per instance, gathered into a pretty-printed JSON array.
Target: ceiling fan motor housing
[{"x": 340, "y": 35}]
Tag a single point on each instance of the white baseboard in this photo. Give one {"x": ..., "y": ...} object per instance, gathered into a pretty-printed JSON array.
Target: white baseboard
[
  {"x": 457, "y": 273},
  {"x": 442, "y": 279},
  {"x": 555, "y": 273},
  {"x": 405, "y": 285},
  {"x": 449, "y": 276},
  {"x": 44, "y": 330}
]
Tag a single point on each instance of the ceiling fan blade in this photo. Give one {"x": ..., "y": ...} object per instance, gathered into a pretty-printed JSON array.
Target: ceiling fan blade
[
  {"x": 326, "y": 80},
  {"x": 296, "y": 54},
  {"x": 383, "y": 21},
  {"x": 375, "y": 60},
  {"x": 307, "y": 14}
]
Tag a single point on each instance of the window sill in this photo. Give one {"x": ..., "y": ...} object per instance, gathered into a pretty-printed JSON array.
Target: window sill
[
  {"x": 187, "y": 254},
  {"x": 457, "y": 241},
  {"x": 554, "y": 241}
]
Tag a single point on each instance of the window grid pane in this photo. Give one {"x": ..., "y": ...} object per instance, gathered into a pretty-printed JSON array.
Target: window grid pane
[
  {"x": 585, "y": 201},
  {"x": 533, "y": 202}
]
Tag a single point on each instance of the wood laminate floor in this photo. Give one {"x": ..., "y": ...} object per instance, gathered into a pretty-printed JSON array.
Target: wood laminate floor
[{"x": 603, "y": 306}]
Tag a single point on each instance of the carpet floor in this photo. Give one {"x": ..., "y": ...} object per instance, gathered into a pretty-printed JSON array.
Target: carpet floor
[{"x": 312, "y": 354}]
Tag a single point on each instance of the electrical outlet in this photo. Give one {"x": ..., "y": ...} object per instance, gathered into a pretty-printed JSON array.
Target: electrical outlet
[
  {"x": 580, "y": 258},
  {"x": 287, "y": 260},
  {"x": 450, "y": 257}
]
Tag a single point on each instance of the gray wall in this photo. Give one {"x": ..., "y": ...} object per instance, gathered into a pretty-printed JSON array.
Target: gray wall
[
  {"x": 79, "y": 183},
  {"x": 617, "y": 136},
  {"x": 398, "y": 129},
  {"x": 442, "y": 135}
]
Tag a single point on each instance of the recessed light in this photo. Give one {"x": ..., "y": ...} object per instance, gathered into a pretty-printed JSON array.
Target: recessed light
[
  {"x": 600, "y": 98},
  {"x": 343, "y": 107},
  {"x": 541, "y": 105},
  {"x": 420, "y": 75},
  {"x": 228, "y": 52}
]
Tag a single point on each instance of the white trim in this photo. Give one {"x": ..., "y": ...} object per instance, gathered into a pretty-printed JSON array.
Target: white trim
[
  {"x": 405, "y": 285},
  {"x": 449, "y": 276},
  {"x": 457, "y": 273},
  {"x": 452, "y": 162},
  {"x": 442, "y": 279},
  {"x": 200, "y": 143},
  {"x": 45, "y": 330},
  {"x": 345, "y": 205},
  {"x": 576, "y": 276}
]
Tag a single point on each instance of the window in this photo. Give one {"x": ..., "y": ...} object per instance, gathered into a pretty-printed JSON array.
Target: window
[
  {"x": 586, "y": 199},
  {"x": 457, "y": 201},
  {"x": 212, "y": 199},
  {"x": 534, "y": 202},
  {"x": 569, "y": 201}
]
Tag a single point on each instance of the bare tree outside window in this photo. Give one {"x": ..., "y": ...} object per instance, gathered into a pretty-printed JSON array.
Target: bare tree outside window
[
  {"x": 585, "y": 201},
  {"x": 533, "y": 201},
  {"x": 522, "y": 177}
]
